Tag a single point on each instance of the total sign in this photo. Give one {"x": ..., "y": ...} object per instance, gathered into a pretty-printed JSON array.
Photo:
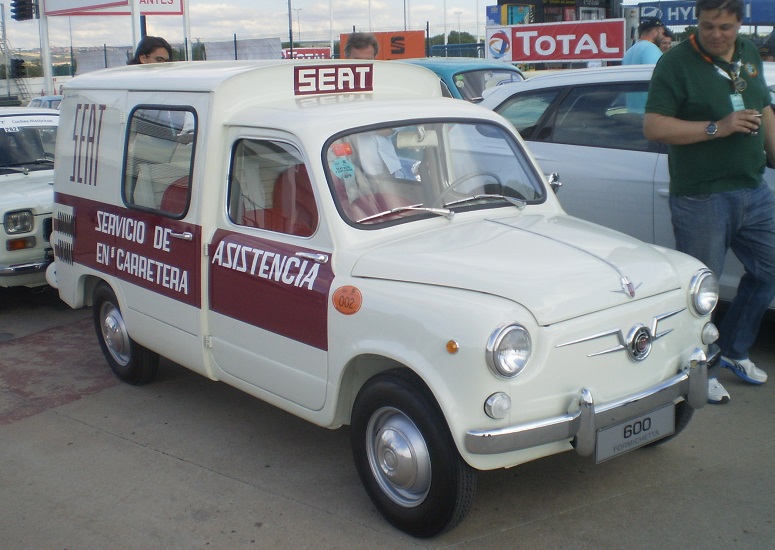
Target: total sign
[{"x": 602, "y": 40}]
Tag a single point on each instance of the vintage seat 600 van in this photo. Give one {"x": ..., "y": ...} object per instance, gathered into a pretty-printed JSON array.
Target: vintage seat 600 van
[{"x": 338, "y": 240}]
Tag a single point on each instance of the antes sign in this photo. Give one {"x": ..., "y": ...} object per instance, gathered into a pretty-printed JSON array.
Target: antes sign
[{"x": 602, "y": 40}]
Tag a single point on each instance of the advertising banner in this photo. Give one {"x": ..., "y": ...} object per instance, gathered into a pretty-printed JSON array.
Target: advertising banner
[
  {"x": 111, "y": 7},
  {"x": 307, "y": 53},
  {"x": 394, "y": 45},
  {"x": 601, "y": 40}
]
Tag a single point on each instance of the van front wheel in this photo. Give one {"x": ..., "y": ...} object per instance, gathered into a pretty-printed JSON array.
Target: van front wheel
[
  {"x": 130, "y": 361},
  {"x": 406, "y": 458}
]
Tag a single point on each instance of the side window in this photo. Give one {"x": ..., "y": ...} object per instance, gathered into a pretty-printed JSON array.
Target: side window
[
  {"x": 596, "y": 116},
  {"x": 159, "y": 160},
  {"x": 269, "y": 188},
  {"x": 525, "y": 110}
]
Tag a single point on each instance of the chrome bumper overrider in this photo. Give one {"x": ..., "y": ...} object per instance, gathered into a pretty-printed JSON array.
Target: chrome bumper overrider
[{"x": 584, "y": 418}]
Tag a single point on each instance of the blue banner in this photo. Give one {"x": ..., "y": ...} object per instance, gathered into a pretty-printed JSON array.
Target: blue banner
[{"x": 681, "y": 13}]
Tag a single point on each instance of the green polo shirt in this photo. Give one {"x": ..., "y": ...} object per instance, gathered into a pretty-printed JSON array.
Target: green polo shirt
[{"x": 688, "y": 86}]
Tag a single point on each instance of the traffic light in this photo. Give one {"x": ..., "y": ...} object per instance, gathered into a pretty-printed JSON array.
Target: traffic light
[
  {"x": 22, "y": 10},
  {"x": 18, "y": 70}
]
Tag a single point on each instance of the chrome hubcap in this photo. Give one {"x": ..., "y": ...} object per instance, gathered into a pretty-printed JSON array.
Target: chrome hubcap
[
  {"x": 114, "y": 333},
  {"x": 398, "y": 457}
]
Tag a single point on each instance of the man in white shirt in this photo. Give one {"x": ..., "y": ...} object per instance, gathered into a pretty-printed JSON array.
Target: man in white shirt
[{"x": 646, "y": 50}]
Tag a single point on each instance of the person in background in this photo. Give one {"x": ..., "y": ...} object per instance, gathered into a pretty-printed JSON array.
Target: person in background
[
  {"x": 667, "y": 41},
  {"x": 709, "y": 103},
  {"x": 646, "y": 51},
  {"x": 361, "y": 45},
  {"x": 151, "y": 49},
  {"x": 767, "y": 52}
]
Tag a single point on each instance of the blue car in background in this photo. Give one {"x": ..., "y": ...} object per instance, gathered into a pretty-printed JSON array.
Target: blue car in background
[{"x": 468, "y": 77}]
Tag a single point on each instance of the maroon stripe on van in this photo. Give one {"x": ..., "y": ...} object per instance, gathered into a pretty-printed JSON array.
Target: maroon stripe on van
[
  {"x": 138, "y": 247},
  {"x": 272, "y": 285}
]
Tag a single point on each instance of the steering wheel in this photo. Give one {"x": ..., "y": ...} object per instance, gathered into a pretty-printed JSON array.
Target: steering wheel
[{"x": 443, "y": 195}]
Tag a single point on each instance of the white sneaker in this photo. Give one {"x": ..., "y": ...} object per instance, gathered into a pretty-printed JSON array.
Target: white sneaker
[
  {"x": 745, "y": 369},
  {"x": 717, "y": 395}
]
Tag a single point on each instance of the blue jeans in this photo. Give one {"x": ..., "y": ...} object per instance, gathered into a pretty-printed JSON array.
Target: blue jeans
[{"x": 706, "y": 227}]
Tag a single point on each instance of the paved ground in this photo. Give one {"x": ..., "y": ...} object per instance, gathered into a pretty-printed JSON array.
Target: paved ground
[{"x": 186, "y": 463}]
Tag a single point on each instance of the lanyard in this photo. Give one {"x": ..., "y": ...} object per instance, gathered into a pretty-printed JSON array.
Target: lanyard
[{"x": 733, "y": 75}]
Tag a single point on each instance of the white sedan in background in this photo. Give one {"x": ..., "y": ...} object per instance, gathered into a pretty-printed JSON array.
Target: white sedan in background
[
  {"x": 27, "y": 138},
  {"x": 587, "y": 125}
]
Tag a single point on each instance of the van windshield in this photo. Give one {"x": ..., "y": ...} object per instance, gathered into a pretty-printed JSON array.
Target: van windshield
[{"x": 390, "y": 174}]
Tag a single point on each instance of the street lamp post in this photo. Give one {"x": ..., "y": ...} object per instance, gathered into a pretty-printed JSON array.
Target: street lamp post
[
  {"x": 458, "y": 12},
  {"x": 298, "y": 24}
]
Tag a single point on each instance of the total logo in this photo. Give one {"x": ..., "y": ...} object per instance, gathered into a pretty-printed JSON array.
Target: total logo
[{"x": 499, "y": 44}]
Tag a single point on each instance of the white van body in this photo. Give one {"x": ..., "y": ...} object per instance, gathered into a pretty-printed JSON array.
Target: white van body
[{"x": 229, "y": 216}]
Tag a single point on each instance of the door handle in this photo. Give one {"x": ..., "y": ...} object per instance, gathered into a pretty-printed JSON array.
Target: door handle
[
  {"x": 186, "y": 236},
  {"x": 318, "y": 258}
]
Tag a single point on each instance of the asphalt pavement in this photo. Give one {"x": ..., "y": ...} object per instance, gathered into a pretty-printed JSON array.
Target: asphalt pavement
[{"x": 87, "y": 462}]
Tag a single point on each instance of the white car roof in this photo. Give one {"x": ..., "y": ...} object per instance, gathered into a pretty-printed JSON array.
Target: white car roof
[
  {"x": 29, "y": 111},
  {"x": 269, "y": 80},
  {"x": 565, "y": 77}
]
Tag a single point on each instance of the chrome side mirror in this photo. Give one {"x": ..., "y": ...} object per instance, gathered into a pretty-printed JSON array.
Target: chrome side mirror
[{"x": 554, "y": 181}]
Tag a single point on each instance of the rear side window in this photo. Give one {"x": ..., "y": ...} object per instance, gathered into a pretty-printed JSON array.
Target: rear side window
[
  {"x": 525, "y": 110},
  {"x": 159, "y": 160},
  {"x": 609, "y": 116},
  {"x": 270, "y": 188}
]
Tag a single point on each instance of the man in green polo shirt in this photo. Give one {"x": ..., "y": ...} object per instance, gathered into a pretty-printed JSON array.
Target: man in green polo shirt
[{"x": 709, "y": 102}]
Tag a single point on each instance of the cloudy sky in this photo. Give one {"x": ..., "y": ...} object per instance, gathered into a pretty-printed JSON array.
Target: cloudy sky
[{"x": 220, "y": 20}]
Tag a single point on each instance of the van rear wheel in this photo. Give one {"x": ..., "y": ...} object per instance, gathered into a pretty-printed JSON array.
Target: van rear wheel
[
  {"x": 406, "y": 458},
  {"x": 130, "y": 361}
]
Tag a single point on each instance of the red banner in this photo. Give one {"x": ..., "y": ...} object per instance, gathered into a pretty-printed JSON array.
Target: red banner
[
  {"x": 602, "y": 40},
  {"x": 307, "y": 53}
]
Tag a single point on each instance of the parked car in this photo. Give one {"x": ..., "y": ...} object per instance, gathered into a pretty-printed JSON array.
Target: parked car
[
  {"x": 587, "y": 125},
  {"x": 769, "y": 76},
  {"x": 46, "y": 102},
  {"x": 27, "y": 138},
  {"x": 455, "y": 317},
  {"x": 469, "y": 77}
]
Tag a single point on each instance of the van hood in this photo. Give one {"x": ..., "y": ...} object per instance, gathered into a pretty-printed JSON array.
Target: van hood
[
  {"x": 558, "y": 267},
  {"x": 33, "y": 191}
]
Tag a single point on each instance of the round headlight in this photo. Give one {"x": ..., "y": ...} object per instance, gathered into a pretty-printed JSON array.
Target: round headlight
[
  {"x": 704, "y": 292},
  {"x": 508, "y": 350}
]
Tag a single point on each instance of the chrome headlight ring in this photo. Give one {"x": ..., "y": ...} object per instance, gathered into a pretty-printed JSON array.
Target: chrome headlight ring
[
  {"x": 508, "y": 350},
  {"x": 703, "y": 292}
]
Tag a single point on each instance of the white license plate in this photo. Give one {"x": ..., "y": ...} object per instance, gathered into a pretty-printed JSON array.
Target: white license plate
[{"x": 635, "y": 433}]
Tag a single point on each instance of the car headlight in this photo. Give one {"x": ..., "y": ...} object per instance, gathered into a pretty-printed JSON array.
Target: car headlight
[
  {"x": 18, "y": 221},
  {"x": 508, "y": 350},
  {"x": 704, "y": 292}
]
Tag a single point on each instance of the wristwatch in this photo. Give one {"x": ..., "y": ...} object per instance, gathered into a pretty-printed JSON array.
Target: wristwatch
[{"x": 711, "y": 130}]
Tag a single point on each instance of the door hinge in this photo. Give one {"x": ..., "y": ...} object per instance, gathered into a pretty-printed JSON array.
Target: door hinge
[
  {"x": 206, "y": 250},
  {"x": 208, "y": 342}
]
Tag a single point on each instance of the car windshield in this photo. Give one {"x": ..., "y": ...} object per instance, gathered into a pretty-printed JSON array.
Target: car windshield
[
  {"x": 26, "y": 145},
  {"x": 472, "y": 84},
  {"x": 394, "y": 174}
]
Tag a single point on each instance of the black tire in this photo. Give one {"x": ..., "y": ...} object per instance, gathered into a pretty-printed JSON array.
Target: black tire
[
  {"x": 432, "y": 489},
  {"x": 683, "y": 414},
  {"x": 130, "y": 361}
]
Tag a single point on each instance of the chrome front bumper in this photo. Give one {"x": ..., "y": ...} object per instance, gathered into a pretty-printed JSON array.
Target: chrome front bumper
[
  {"x": 584, "y": 418},
  {"x": 24, "y": 269}
]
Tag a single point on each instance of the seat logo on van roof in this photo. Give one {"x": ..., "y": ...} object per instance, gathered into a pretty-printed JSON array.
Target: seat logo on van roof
[{"x": 332, "y": 79}]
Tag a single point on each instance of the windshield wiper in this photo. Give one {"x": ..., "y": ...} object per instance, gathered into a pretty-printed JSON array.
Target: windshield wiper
[
  {"x": 449, "y": 214},
  {"x": 519, "y": 203}
]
